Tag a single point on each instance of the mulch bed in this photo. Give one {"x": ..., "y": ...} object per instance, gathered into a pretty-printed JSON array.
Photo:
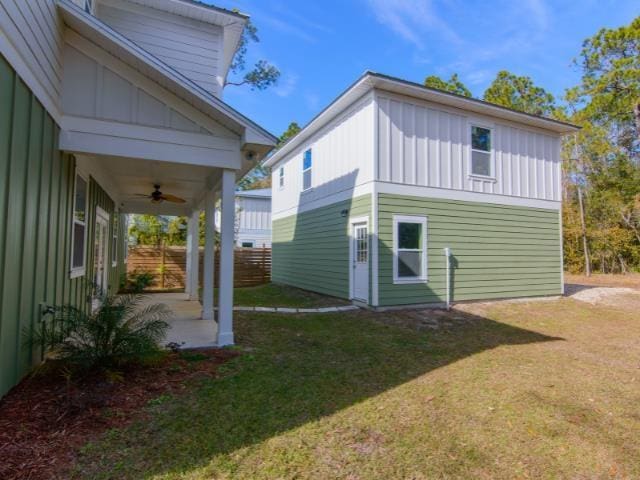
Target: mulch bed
[{"x": 45, "y": 419}]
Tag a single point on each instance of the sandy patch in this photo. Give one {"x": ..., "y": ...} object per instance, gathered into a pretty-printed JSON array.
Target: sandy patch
[{"x": 604, "y": 295}]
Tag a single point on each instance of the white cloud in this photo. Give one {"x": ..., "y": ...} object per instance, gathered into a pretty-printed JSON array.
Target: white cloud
[
  {"x": 312, "y": 100},
  {"x": 286, "y": 85},
  {"x": 411, "y": 19}
]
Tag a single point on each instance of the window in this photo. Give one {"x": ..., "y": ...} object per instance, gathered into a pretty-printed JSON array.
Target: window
[
  {"x": 79, "y": 227},
  {"x": 409, "y": 249},
  {"x": 247, "y": 244},
  {"x": 114, "y": 241},
  {"x": 481, "y": 151},
  {"x": 281, "y": 177},
  {"x": 306, "y": 170}
]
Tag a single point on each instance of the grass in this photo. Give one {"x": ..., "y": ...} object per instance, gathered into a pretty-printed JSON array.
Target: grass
[
  {"x": 510, "y": 390},
  {"x": 276, "y": 295}
]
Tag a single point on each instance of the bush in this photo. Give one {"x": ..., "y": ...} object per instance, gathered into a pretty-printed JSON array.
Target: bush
[
  {"x": 118, "y": 333},
  {"x": 139, "y": 281}
]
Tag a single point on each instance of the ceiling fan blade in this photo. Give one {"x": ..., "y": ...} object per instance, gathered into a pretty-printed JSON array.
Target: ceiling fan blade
[
  {"x": 173, "y": 198},
  {"x": 144, "y": 195}
]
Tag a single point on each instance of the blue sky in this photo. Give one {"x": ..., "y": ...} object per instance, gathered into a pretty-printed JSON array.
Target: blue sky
[{"x": 322, "y": 46}]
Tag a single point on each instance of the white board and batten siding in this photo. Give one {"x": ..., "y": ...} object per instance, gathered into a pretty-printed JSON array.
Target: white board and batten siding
[
  {"x": 342, "y": 161},
  {"x": 191, "y": 47},
  {"x": 254, "y": 221},
  {"x": 31, "y": 39},
  {"x": 425, "y": 144}
]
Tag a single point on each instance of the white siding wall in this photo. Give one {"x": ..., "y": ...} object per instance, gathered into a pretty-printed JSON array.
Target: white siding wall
[
  {"x": 342, "y": 155},
  {"x": 92, "y": 90},
  {"x": 31, "y": 30},
  {"x": 255, "y": 213},
  {"x": 191, "y": 47},
  {"x": 429, "y": 145}
]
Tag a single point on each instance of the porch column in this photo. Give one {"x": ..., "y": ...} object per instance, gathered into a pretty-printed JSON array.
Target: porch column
[
  {"x": 193, "y": 236},
  {"x": 209, "y": 255},
  {"x": 227, "y": 227}
]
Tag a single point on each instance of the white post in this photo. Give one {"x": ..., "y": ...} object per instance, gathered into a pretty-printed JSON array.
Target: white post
[
  {"x": 209, "y": 255},
  {"x": 192, "y": 260},
  {"x": 227, "y": 224}
]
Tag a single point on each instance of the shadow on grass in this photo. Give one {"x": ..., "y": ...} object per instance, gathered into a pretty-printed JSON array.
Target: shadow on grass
[{"x": 296, "y": 369}]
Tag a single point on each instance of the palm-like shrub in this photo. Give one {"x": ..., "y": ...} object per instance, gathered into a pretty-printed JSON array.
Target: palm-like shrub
[{"x": 121, "y": 331}]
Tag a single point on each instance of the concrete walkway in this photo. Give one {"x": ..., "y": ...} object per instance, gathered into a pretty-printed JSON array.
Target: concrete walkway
[{"x": 188, "y": 330}]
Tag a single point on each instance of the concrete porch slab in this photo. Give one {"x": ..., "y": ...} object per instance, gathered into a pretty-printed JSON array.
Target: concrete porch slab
[{"x": 187, "y": 328}]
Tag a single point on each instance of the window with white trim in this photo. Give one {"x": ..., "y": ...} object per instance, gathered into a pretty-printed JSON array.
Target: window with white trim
[
  {"x": 481, "y": 164},
  {"x": 281, "y": 177},
  {"x": 307, "y": 163},
  {"x": 409, "y": 249},
  {"x": 114, "y": 240},
  {"x": 79, "y": 227}
]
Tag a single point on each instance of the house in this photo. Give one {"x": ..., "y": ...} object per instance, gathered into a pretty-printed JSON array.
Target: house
[
  {"x": 110, "y": 107},
  {"x": 253, "y": 212},
  {"x": 397, "y": 194},
  {"x": 253, "y": 218}
]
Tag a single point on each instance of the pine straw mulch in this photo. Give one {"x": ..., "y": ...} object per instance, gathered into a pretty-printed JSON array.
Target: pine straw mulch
[{"x": 45, "y": 419}]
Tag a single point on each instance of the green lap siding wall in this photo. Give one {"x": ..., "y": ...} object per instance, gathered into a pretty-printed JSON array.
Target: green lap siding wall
[
  {"x": 36, "y": 198},
  {"x": 498, "y": 251},
  {"x": 311, "y": 250}
]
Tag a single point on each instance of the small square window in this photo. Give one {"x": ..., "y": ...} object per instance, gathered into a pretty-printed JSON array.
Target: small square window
[{"x": 247, "y": 244}]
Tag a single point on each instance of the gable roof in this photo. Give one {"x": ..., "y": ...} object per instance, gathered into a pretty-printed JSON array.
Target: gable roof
[
  {"x": 372, "y": 80},
  {"x": 130, "y": 53}
]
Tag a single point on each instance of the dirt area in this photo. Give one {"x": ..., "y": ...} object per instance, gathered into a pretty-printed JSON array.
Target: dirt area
[
  {"x": 47, "y": 417},
  {"x": 609, "y": 290}
]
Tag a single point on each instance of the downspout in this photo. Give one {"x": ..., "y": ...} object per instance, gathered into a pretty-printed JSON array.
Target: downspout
[{"x": 447, "y": 258}]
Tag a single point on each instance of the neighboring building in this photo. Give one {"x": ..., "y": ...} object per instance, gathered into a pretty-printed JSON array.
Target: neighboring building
[
  {"x": 367, "y": 197},
  {"x": 100, "y": 101},
  {"x": 253, "y": 218}
]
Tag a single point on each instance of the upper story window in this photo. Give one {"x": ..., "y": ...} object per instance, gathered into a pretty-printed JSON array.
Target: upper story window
[
  {"x": 481, "y": 151},
  {"x": 307, "y": 163},
  {"x": 79, "y": 227},
  {"x": 88, "y": 6},
  {"x": 281, "y": 177}
]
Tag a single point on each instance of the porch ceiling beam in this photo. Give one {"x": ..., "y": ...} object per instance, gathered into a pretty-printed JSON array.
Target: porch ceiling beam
[
  {"x": 82, "y": 135},
  {"x": 155, "y": 209}
]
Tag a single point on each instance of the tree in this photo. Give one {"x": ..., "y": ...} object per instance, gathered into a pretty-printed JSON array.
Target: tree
[
  {"x": 610, "y": 88},
  {"x": 453, "y": 85},
  {"x": 519, "y": 93},
  {"x": 262, "y": 75},
  {"x": 260, "y": 176},
  {"x": 291, "y": 131}
]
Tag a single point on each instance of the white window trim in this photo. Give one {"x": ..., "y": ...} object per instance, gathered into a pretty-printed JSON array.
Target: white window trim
[
  {"x": 281, "y": 177},
  {"x": 410, "y": 219},
  {"x": 310, "y": 169},
  {"x": 75, "y": 272},
  {"x": 491, "y": 152}
]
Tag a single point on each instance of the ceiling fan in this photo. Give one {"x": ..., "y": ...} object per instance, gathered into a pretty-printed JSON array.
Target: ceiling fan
[{"x": 158, "y": 197}]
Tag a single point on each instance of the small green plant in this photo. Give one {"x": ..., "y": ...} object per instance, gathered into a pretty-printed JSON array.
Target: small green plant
[
  {"x": 121, "y": 331},
  {"x": 140, "y": 280}
]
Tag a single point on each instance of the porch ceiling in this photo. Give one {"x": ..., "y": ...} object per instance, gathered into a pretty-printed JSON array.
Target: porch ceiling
[{"x": 127, "y": 177}]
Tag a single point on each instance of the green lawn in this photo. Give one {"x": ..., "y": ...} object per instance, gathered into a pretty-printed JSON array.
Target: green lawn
[
  {"x": 276, "y": 295},
  {"x": 521, "y": 390}
]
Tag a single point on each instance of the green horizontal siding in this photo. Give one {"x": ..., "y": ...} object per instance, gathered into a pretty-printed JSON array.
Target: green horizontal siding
[
  {"x": 498, "y": 251},
  {"x": 311, "y": 250},
  {"x": 36, "y": 198}
]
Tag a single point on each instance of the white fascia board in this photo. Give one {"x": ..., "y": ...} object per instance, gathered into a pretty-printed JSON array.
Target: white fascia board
[{"x": 129, "y": 52}]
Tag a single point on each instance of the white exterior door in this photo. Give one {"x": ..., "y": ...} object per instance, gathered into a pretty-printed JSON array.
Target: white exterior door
[
  {"x": 100, "y": 258},
  {"x": 360, "y": 261}
]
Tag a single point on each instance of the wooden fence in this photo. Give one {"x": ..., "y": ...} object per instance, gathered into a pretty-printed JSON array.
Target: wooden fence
[{"x": 252, "y": 266}]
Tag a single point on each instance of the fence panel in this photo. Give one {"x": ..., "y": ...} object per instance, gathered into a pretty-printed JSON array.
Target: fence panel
[{"x": 252, "y": 266}]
